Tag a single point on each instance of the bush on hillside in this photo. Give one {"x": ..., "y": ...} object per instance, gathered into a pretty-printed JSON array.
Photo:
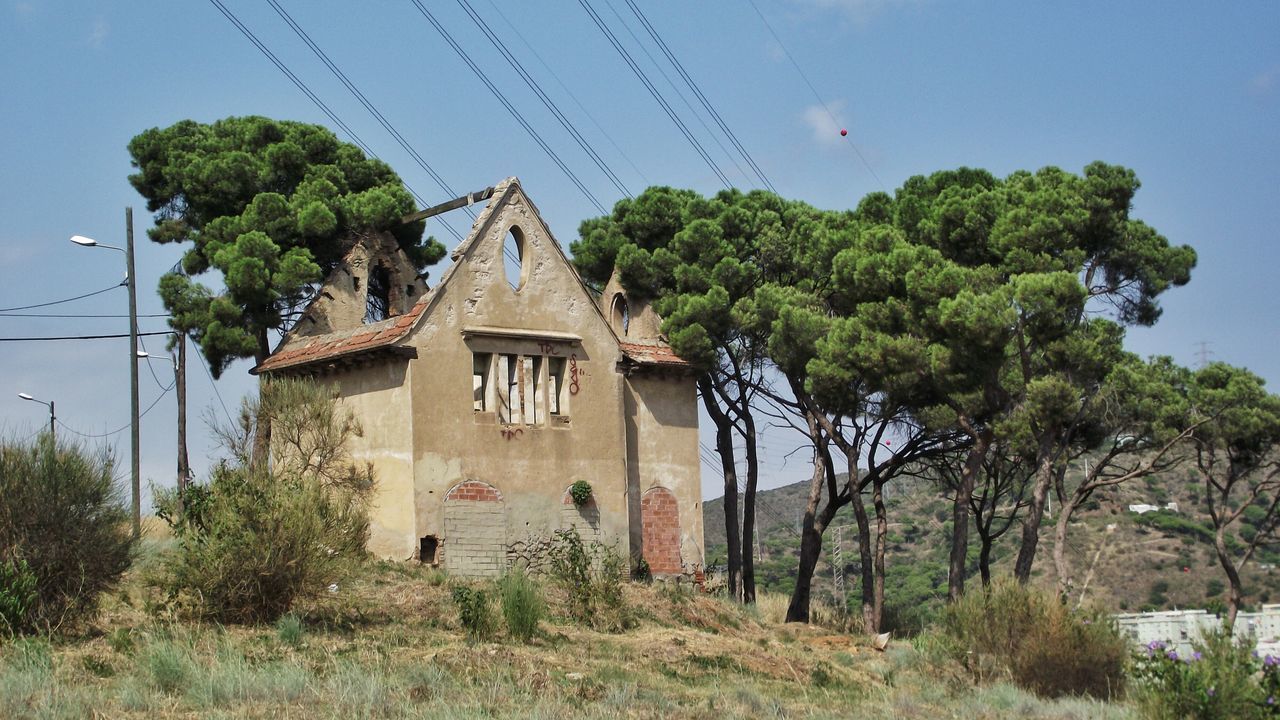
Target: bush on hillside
[
  {"x": 1219, "y": 679},
  {"x": 65, "y": 535},
  {"x": 521, "y": 605},
  {"x": 590, "y": 575},
  {"x": 255, "y": 539},
  {"x": 1027, "y": 635}
]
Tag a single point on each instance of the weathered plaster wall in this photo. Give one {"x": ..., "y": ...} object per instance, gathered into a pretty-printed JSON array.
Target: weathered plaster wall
[
  {"x": 530, "y": 464},
  {"x": 662, "y": 430},
  {"x": 373, "y": 393}
]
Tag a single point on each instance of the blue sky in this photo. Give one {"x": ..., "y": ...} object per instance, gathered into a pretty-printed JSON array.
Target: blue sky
[{"x": 1187, "y": 94}]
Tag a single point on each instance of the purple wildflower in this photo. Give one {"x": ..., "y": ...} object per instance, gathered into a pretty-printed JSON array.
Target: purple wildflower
[
  {"x": 1173, "y": 655},
  {"x": 1270, "y": 661},
  {"x": 1212, "y": 691},
  {"x": 1271, "y": 699},
  {"x": 1195, "y": 655}
]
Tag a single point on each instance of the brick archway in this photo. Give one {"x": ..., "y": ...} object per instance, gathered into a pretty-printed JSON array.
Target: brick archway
[
  {"x": 660, "y": 528},
  {"x": 475, "y": 530}
]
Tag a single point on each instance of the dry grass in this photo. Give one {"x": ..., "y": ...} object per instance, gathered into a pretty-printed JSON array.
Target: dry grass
[{"x": 389, "y": 644}]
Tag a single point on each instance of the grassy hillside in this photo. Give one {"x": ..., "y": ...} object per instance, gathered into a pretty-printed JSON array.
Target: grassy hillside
[
  {"x": 389, "y": 643},
  {"x": 1155, "y": 561}
]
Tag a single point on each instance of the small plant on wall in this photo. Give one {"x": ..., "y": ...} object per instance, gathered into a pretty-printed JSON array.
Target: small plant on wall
[{"x": 580, "y": 492}]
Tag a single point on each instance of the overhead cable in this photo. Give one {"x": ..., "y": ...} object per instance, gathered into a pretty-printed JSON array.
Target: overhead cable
[
  {"x": 547, "y": 101},
  {"x": 59, "y": 302},
  {"x": 382, "y": 120},
  {"x": 724, "y": 127},
  {"x": 814, "y": 90},
  {"x": 644, "y": 80},
  {"x": 244, "y": 30},
  {"x": 475, "y": 68}
]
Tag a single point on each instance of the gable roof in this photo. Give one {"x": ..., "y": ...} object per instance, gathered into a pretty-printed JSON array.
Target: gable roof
[{"x": 384, "y": 337}]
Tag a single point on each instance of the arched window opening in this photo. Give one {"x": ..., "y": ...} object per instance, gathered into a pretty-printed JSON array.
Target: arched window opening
[
  {"x": 378, "y": 300},
  {"x": 620, "y": 315},
  {"x": 513, "y": 258}
]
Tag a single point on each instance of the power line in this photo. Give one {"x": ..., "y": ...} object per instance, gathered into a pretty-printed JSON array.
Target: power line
[
  {"x": 657, "y": 38},
  {"x": 120, "y": 429},
  {"x": 672, "y": 84},
  {"x": 507, "y": 104},
  {"x": 814, "y": 90},
  {"x": 71, "y": 315},
  {"x": 550, "y": 71},
  {"x": 82, "y": 337},
  {"x": 244, "y": 30},
  {"x": 547, "y": 101},
  {"x": 59, "y": 302},
  {"x": 644, "y": 79},
  {"x": 204, "y": 364},
  {"x": 386, "y": 124},
  {"x": 152, "y": 370}
]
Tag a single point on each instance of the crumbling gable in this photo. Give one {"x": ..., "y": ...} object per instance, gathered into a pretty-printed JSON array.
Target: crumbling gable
[{"x": 375, "y": 281}]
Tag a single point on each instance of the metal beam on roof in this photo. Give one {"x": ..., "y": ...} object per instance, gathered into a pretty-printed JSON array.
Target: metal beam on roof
[{"x": 454, "y": 204}]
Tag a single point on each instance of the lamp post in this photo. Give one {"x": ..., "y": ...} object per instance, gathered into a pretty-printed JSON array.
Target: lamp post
[
  {"x": 53, "y": 419},
  {"x": 133, "y": 359}
]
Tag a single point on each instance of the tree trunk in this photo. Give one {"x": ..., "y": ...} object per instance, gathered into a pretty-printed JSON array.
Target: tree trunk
[
  {"x": 749, "y": 511},
  {"x": 882, "y": 535},
  {"x": 960, "y": 514},
  {"x": 1060, "y": 546},
  {"x": 865, "y": 561},
  {"x": 180, "y": 380},
  {"x": 1235, "y": 592},
  {"x": 815, "y": 524},
  {"x": 724, "y": 448},
  {"x": 984, "y": 561},
  {"x": 1035, "y": 513}
]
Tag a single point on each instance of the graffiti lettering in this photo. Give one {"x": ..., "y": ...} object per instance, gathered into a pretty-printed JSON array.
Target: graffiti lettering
[
  {"x": 548, "y": 349},
  {"x": 573, "y": 374},
  {"x": 511, "y": 433}
]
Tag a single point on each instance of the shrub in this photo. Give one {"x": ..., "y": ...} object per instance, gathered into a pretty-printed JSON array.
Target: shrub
[
  {"x": 289, "y": 630},
  {"x": 64, "y": 534},
  {"x": 254, "y": 539},
  {"x": 17, "y": 594},
  {"x": 1216, "y": 680},
  {"x": 590, "y": 575},
  {"x": 473, "y": 611},
  {"x": 1024, "y": 634},
  {"x": 580, "y": 491},
  {"x": 521, "y": 605}
]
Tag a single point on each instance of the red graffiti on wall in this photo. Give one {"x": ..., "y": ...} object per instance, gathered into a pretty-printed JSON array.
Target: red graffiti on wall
[
  {"x": 573, "y": 374},
  {"x": 547, "y": 348},
  {"x": 511, "y": 433}
]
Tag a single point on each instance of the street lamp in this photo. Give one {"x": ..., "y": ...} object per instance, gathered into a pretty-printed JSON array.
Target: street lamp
[
  {"x": 53, "y": 419},
  {"x": 134, "y": 354}
]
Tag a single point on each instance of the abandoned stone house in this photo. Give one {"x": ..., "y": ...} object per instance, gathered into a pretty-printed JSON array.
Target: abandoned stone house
[{"x": 484, "y": 398}]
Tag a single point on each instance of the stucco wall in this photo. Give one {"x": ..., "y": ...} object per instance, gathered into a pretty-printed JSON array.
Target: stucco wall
[
  {"x": 531, "y": 464},
  {"x": 662, "y": 430},
  {"x": 372, "y": 393}
]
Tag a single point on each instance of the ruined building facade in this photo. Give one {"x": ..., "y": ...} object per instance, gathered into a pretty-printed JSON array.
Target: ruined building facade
[{"x": 484, "y": 398}]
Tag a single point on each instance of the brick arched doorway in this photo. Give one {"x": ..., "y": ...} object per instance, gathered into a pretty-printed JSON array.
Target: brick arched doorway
[
  {"x": 660, "y": 528},
  {"x": 475, "y": 530}
]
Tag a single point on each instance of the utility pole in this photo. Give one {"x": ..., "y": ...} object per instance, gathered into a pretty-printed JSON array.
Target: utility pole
[
  {"x": 180, "y": 378},
  {"x": 133, "y": 376},
  {"x": 53, "y": 423}
]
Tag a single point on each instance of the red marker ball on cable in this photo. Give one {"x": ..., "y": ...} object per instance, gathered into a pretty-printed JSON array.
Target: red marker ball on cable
[{"x": 843, "y": 132}]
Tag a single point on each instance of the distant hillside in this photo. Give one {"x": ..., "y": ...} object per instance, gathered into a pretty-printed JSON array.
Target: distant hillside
[{"x": 1154, "y": 561}]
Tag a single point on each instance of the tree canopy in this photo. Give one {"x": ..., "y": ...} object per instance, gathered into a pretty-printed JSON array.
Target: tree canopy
[{"x": 271, "y": 205}]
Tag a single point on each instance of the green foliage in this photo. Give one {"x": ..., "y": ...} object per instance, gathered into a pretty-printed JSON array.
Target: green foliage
[
  {"x": 289, "y": 629},
  {"x": 1220, "y": 679},
  {"x": 64, "y": 534},
  {"x": 17, "y": 594},
  {"x": 580, "y": 491},
  {"x": 590, "y": 575},
  {"x": 1030, "y": 637},
  {"x": 474, "y": 611},
  {"x": 522, "y": 606},
  {"x": 272, "y": 206},
  {"x": 255, "y": 539}
]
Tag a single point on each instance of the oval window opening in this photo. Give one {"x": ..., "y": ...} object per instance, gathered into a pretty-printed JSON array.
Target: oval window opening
[
  {"x": 513, "y": 258},
  {"x": 621, "y": 315}
]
